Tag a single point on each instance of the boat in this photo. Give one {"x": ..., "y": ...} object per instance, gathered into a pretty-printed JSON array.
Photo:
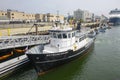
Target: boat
[
  {"x": 109, "y": 27},
  {"x": 13, "y": 64},
  {"x": 20, "y": 50},
  {"x": 114, "y": 17},
  {"x": 65, "y": 45},
  {"x": 11, "y": 60},
  {"x": 102, "y": 29},
  {"x": 92, "y": 33},
  {"x": 96, "y": 31},
  {"x": 6, "y": 56}
]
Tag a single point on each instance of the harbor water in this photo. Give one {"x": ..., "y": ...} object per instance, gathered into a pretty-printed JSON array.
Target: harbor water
[{"x": 101, "y": 63}]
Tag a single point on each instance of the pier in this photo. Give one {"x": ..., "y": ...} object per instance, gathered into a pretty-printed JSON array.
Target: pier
[{"x": 21, "y": 41}]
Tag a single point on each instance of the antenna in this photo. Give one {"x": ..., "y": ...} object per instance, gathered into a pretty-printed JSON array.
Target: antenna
[{"x": 57, "y": 14}]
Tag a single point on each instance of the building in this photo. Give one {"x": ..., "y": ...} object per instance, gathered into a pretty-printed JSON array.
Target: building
[
  {"x": 40, "y": 17},
  {"x": 54, "y": 17},
  {"x": 48, "y": 17},
  {"x": 3, "y": 15},
  {"x": 78, "y": 14},
  {"x": 15, "y": 15},
  {"x": 29, "y": 17},
  {"x": 97, "y": 18},
  {"x": 87, "y": 16},
  {"x": 83, "y": 15}
]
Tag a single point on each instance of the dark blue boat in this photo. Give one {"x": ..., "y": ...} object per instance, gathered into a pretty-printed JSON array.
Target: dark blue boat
[{"x": 114, "y": 17}]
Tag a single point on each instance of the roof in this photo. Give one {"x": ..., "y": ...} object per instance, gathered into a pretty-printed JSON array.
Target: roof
[{"x": 61, "y": 29}]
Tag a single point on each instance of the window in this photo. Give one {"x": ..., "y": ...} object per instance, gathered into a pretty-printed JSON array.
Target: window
[
  {"x": 54, "y": 35},
  {"x": 12, "y": 13},
  {"x": 79, "y": 39},
  {"x": 59, "y": 36},
  {"x": 69, "y": 36},
  {"x": 64, "y": 35},
  {"x": 73, "y": 34},
  {"x": 84, "y": 36},
  {"x": 51, "y": 34}
]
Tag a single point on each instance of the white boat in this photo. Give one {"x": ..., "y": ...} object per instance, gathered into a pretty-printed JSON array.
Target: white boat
[{"x": 65, "y": 45}]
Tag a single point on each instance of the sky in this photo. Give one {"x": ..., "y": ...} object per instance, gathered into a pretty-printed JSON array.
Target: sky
[{"x": 64, "y": 7}]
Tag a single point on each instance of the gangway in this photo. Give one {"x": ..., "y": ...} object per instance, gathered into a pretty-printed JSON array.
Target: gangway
[{"x": 21, "y": 41}]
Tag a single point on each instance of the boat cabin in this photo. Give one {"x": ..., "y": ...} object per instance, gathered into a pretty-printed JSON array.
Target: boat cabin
[{"x": 62, "y": 38}]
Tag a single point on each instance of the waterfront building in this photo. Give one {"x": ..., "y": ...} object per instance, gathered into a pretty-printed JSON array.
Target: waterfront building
[
  {"x": 29, "y": 17},
  {"x": 97, "y": 18},
  {"x": 54, "y": 17},
  {"x": 15, "y": 15},
  {"x": 22, "y": 17},
  {"x": 40, "y": 17},
  {"x": 78, "y": 14},
  {"x": 87, "y": 16},
  {"x": 83, "y": 15},
  {"x": 3, "y": 15}
]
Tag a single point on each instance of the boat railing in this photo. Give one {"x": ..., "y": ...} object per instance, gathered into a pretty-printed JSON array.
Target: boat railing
[{"x": 20, "y": 41}]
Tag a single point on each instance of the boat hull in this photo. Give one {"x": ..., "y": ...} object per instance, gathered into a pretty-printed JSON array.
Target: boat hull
[
  {"x": 115, "y": 20},
  {"x": 46, "y": 62},
  {"x": 10, "y": 66}
]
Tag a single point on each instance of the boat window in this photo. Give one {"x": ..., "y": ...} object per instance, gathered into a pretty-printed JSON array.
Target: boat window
[
  {"x": 73, "y": 34},
  {"x": 64, "y": 35},
  {"x": 80, "y": 39},
  {"x": 69, "y": 36},
  {"x": 85, "y": 36},
  {"x": 51, "y": 34},
  {"x": 59, "y": 36},
  {"x": 54, "y": 35}
]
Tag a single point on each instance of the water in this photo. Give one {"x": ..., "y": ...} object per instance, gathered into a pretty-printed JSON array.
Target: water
[{"x": 102, "y": 63}]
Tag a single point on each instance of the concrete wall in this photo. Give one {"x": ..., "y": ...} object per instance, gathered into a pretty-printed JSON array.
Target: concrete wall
[{"x": 13, "y": 31}]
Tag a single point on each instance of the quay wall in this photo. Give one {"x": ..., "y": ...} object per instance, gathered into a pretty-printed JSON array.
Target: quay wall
[
  {"x": 23, "y": 29},
  {"x": 13, "y": 31}
]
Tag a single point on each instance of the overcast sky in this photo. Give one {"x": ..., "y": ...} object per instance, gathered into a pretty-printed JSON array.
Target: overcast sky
[{"x": 64, "y": 6}]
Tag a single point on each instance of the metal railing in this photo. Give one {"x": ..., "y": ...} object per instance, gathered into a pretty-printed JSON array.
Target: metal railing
[{"x": 21, "y": 41}]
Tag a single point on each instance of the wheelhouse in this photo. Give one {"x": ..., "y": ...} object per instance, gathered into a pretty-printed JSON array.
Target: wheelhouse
[{"x": 61, "y": 38}]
